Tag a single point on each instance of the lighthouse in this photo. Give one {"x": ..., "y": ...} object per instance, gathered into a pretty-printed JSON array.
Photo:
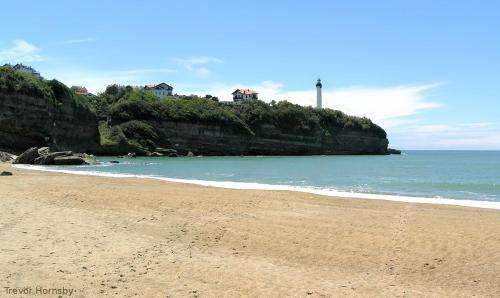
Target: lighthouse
[{"x": 318, "y": 94}]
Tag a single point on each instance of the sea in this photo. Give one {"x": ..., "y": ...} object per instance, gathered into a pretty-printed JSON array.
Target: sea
[{"x": 463, "y": 178}]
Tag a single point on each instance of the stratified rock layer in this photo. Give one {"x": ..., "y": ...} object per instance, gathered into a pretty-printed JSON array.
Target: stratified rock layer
[
  {"x": 35, "y": 122},
  {"x": 217, "y": 140}
]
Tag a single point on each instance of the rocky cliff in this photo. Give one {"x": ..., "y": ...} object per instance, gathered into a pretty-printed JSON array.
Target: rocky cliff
[
  {"x": 27, "y": 121},
  {"x": 268, "y": 140}
]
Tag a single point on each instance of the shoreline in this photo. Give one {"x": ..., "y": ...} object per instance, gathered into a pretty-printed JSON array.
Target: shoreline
[{"x": 271, "y": 187}]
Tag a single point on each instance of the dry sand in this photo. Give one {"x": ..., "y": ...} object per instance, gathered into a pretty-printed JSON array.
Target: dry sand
[{"x": 145, "y": 238}]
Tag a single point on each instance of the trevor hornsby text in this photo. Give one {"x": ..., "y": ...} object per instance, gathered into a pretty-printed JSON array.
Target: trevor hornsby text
[{"x": 38, "y": 290}]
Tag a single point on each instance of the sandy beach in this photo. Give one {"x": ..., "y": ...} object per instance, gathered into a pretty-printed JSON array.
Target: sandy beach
[{"x": 129, "y": 237}]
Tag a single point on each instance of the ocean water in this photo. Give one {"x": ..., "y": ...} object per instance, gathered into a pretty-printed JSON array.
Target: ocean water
[{"x": 468, "y": 178}]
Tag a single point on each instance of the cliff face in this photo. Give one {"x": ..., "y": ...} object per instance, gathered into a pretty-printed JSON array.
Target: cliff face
[
  {"x": 29, "y": 121},
  {"x": 217, "y": 140}
]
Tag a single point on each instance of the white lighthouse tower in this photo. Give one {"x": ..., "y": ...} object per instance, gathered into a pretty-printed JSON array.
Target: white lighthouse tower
[{"x": 318, "y": 94}]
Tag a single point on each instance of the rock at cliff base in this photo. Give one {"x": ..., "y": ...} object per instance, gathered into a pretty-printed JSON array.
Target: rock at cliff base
[
  {"x": 28, "y": 156},
  {"x": 4, "y": 156},
  {"x": 155, "y": 154},
  {"x": 393, "y": 151},
  {"x": 89, "y": 159},
  {"x": 166, "y": 151},
  {"x": 190, "y": 154},
  {"x": 5, "y": 173},
  {"x": 69, "y": 161}
]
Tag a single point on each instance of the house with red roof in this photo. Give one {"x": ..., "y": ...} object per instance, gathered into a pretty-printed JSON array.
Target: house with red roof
[{"x": 244, "y": 94}]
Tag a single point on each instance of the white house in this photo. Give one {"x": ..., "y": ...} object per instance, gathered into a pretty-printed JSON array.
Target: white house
[
  {"x": 244, "y": 94},
  {"x": 161, "y": 90},
  {"x": 26, "y": 69}
]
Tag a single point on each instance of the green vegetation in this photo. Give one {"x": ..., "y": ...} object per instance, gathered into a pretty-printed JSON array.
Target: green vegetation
[
  {"x": 139, "y": 106},
  {"x": 122, "y": 104},
  {"x": 17, "y": 82},
  {"x": 140, "y": 134},
  {"x": 296, "y": 119},
  {"x": 55, "y": 92},
  {"x": 111, "y": 135}
]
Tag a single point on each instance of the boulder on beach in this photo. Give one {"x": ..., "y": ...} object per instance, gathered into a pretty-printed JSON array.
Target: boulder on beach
[
  {"x": 4, "y": 156},
  {"x": 69, "y": 161},
  {"x": 28, "y": 156},
  {"x": 43, "y": 156},
  {"x": 44, "y": 160},
  {"x": 5, "y": 173},
  {"x": 48, "y": 158}
]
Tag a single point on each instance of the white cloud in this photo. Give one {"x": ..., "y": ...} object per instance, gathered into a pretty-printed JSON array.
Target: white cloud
[
  {"x": 194, "y": 64},
  {"x": 471, "y": 136},
  {"x": 82, "y": 40},
  {"x": 20, "y": 51}
]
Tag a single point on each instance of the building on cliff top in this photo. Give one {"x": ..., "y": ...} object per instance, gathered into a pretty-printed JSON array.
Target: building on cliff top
[
  {"x": 161, "y": 90},
  {"x": 319, "y": 100},
  {"x": 25, "y": 69},
  {"x": 244, "y": 94},
  {"x": 81, "y": 90}
]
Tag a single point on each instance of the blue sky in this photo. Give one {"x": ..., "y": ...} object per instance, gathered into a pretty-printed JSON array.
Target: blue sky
[{"x": 427, "y": 71}]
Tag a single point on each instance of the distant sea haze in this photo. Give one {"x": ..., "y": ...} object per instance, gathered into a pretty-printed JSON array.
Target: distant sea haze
[{"x": 467, "y": 178}]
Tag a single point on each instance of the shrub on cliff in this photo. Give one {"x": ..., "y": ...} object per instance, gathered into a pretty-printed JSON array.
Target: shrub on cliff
[
  {"x": 65, "y": 95},
  {"x": 55, "y": 92},
  {"x": 111, "y": 136},
  {"x": 141, "y": 105},
  {"x": 333, "y": 120},
  {"x": 12, "y": 81},
  {"x": 293, "y": 118},
  {"x": 204, "y": 111},
  {"x": 140, "y": 134}
]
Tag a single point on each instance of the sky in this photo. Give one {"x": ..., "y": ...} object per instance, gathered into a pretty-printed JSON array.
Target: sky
[{"x": 428, "y": 72}]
